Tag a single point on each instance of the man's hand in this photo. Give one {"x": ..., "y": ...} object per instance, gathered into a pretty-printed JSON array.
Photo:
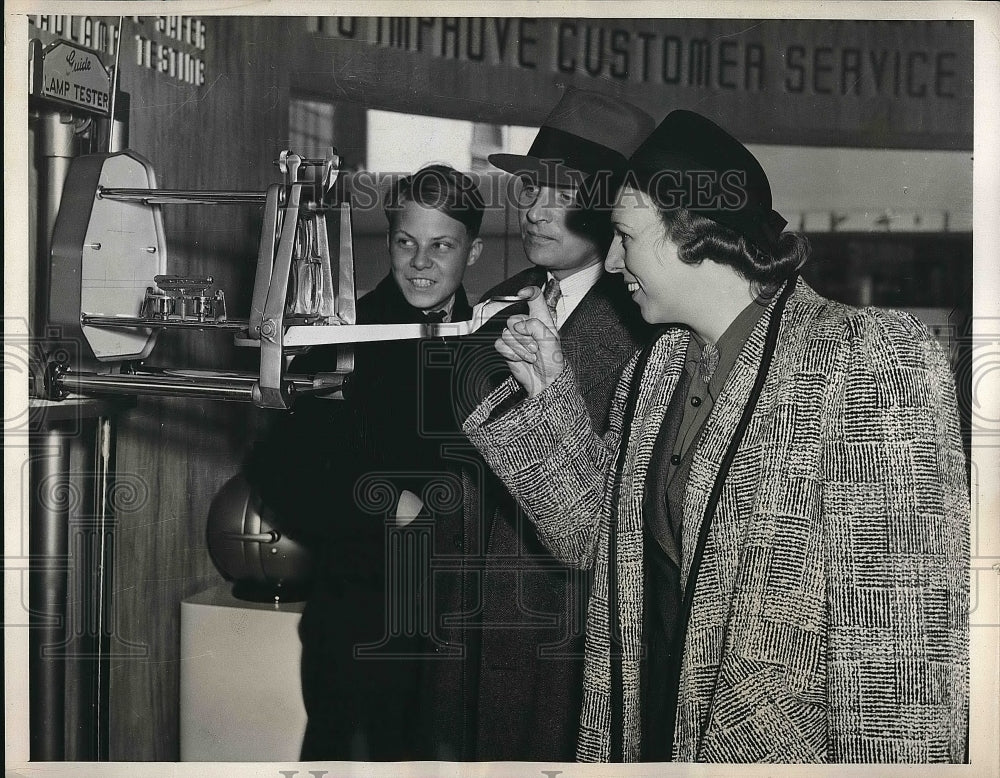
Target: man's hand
[{"x": 530, "y": 344}]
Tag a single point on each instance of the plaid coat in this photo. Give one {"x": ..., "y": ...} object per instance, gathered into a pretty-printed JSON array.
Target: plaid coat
[{"x": 825, "y": 582}]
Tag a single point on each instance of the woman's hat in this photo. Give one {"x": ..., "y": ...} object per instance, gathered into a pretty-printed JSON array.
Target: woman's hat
[
  {"x": 587, "y": 132},
  {"x": 690, "y": 162}
]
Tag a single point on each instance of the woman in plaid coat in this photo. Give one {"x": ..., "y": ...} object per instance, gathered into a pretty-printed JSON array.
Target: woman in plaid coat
[{"x": 778, "y": 517}]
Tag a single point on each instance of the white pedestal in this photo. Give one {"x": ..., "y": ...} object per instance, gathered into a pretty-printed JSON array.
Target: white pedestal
[{"x": 241, "y": 694}]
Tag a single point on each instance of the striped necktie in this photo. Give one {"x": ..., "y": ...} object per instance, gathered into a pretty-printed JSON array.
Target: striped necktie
[{"x": 551, "y": 294}]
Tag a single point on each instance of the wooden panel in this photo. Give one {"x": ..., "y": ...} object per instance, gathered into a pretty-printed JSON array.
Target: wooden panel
[
  {"x": 184, "y": 452},
  {"x": 224, "y": 134}
]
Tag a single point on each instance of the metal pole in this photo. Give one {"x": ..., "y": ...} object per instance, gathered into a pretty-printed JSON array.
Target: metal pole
[
  {"x": 112, "y": 125},
  {"x": 118, "y": 124},
  {"x": 55, "y": 152},
  {"x": 90, "y": 320},
  {"x": 183, "y": 196},
  {"x": 51, "y": 499},
  {"x": 239, "y": 391},
  {"x": 101, "y": 592},
  {"x": 185, "y": 383}
]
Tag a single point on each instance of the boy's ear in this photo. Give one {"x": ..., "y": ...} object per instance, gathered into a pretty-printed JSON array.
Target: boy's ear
[{"x": 474, "y": 251}]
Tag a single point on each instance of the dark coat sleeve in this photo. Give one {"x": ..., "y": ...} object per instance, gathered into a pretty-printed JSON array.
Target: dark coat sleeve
[
  {"x": 479, "y": 367},
  {"x": 302, "y": 468},
  {"x": 306, "y": 464}
]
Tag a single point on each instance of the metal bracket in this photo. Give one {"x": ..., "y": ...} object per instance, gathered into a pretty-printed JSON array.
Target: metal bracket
[
  {"x": 265, "y": 258},
  {"x": 271, "y": 391}
]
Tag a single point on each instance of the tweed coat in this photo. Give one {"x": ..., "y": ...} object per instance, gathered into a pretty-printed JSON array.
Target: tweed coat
[
  {"x": 516, "y": 612},
  {"x": 825, "y": 582}
]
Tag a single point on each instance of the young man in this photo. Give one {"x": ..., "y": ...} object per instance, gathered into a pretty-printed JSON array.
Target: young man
[
  {"x": 513, "y": 615},
  {"x": 326, "y": 468}
]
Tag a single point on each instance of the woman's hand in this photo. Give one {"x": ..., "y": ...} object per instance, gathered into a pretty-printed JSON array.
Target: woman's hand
[{"x": 530, "y": 344}]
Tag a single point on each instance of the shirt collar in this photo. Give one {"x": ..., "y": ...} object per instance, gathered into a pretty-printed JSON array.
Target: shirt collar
[
  {"x": 574, "y": 288},
  {"x": 579, "y": 283},
  {"x": 729, "y": 346},
  {"x": 448, "y": 307}
]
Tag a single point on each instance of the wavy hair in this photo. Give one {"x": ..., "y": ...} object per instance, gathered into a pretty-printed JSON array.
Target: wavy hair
[
  {"x": 442, "y": 188},
  {"x": 699, "y": 238}
]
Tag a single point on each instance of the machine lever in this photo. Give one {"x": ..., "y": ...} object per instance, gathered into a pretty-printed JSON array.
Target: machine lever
[
  {"x": 261, "y": 537},
  {"x": 181, "y": 196}
]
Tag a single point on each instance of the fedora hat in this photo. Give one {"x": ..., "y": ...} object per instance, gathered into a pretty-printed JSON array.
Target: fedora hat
[
  {"x": 699, "y": 166},
  {"x": 585, "y": 133}
]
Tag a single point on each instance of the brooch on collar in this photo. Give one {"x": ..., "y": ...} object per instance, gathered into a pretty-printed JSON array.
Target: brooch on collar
[{"x": 708, "y": 361}]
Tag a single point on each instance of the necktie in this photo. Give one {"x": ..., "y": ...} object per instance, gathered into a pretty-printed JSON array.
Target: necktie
[
  {"x": 434, "y": 317},
  {"x": 551, "y": 294}
]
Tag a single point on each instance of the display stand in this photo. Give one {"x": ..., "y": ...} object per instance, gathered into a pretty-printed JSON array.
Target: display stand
[{"x": 241, "y": 696}]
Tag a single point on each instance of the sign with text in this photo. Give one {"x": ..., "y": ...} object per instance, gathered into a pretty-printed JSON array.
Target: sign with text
[
  {"x": 174, "y": 46},
  {"x": 819, "y": 82},
  {"x": 902, "y": 84},
  {"x": 73, "y": 75}
]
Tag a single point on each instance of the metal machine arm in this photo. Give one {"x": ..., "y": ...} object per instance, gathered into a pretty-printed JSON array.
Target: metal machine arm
[{"x": 294, "y": 284}]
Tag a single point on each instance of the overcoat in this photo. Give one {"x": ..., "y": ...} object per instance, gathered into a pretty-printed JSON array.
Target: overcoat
[
  {"x": 508, "y": 615},
  {"x": 825, "y": 540},
  {"x": 333, "y": 472}
]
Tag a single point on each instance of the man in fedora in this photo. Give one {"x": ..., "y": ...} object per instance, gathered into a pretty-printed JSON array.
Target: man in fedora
[{"x": 509, "y": 619}]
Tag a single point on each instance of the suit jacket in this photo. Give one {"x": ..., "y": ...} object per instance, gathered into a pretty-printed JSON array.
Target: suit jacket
[
  {"x": 824, "y": 566},
  {"x": 514, "y": 612}
]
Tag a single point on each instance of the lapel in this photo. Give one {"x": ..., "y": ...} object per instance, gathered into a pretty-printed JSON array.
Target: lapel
[
  {"x": 654, "y": 387},
  {"x": 385, "y": 304},
  {"x": 713, "y": 555},
  {"x": 717, "y": 433},
  {"x": 533, "y": 276},
  {"x": 597, "y": 337},
  {"x": 461, "y": 310},
  {"x": 657, "y": 384}
]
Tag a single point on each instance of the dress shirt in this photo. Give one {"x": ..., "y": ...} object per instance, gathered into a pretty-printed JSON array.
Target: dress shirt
[
  {"x": 701, "y": 397},
  {"x": 573, "y": 289}
]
